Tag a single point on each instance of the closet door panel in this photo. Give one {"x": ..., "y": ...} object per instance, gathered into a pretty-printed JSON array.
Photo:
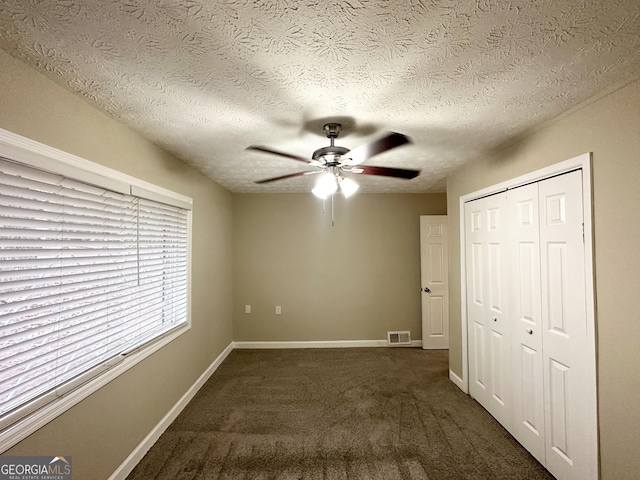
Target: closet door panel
[
  {"x": 480, "y": 363},
  {"x": 476, "y": 228},
  {"x": 525, "y": 310},
  {"x": 569, "y": 400},
  {"x": 498, "y": 347},
  {"x": 486, "y": 281}
]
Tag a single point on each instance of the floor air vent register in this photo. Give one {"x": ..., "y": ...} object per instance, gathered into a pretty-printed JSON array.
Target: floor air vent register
[{"x": 399, "y": 338}]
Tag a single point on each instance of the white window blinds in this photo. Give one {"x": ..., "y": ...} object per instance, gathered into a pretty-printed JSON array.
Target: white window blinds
[{"x": 86, "y": 274}]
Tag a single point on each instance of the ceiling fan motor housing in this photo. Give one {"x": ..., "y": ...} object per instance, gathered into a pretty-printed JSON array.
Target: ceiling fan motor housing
[{"x": 331, "y": 154}]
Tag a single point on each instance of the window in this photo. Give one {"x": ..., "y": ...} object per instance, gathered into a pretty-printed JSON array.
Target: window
[{"x": 88, "y": 276}]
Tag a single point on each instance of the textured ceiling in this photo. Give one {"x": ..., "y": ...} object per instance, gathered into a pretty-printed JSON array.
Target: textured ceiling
[{"x": 207, "y": 78}]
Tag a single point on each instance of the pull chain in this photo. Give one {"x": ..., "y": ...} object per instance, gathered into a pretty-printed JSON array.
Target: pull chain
[{"x": 332, "y": 211}]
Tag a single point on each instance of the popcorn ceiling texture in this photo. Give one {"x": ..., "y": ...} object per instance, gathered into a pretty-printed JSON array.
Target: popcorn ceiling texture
[{"x": 205, "y": 79}]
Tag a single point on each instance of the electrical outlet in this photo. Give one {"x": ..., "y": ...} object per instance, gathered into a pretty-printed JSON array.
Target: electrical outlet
[
  {"x": 247, "y": 309},
  {"x": 278, "y": 310}
]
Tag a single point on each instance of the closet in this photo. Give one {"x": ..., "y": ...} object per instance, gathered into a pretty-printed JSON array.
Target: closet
[{"x": 529, "y": 352}]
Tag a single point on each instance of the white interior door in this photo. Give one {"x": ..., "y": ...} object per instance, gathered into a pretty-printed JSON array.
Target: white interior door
[
  {"x": 435, "y": 281},
  {"x": 524, "y": 293},
  {"x": 488, "y": 324},
  {"x": 569, "y": 386}
]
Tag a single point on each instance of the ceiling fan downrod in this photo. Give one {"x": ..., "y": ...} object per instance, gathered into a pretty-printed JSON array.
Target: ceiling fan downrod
[
  {"x": 332, "y": 130},
  {"x": 332, "y": 153}
]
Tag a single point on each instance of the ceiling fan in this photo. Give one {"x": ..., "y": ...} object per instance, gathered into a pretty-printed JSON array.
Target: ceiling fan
[{"x": 334, "y": 161}]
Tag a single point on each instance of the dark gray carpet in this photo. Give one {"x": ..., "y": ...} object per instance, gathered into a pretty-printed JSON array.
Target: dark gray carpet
[{"x": 379, "y": 413}]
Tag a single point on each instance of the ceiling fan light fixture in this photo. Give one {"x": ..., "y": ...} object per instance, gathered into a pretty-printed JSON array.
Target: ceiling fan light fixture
[
  {"x": 333, "y": 160},
  {"x": 325, "y": 186},
  {"x": 347, "y": 186}
]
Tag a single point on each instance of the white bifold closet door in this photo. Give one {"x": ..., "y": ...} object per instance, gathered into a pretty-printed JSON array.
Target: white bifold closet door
[
  {"x": 569, "y": 429},
  {"x": 526, "y": 308},
  {"x": 526, "y": 305},
  {"x": 488, "y": 328}
]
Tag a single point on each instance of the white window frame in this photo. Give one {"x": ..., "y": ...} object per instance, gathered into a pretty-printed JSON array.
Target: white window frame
[{"x": 38, "y": 155}]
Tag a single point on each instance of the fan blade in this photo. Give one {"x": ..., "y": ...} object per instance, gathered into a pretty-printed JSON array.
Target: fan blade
[
  {"x": 385, "y": 171},
  {"x": 290, "y": 175},
  {"x": 276, "y": 152},
  {"x": 368, "y": 150}
]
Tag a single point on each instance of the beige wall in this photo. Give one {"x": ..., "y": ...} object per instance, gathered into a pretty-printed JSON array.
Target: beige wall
[
  {"x": 102, "y": 430},
  {"x": 353, "y": 281},
  {"x": 610, "y": 128}
]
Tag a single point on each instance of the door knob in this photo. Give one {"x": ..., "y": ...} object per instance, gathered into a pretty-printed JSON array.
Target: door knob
[
  {"x": 426, "y": 290},
  {"x": 529, "y": 331}
]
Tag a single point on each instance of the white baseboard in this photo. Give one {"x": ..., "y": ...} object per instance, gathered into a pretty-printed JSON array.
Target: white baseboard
[
  {"x": 460, "y": 383},
  {"x": 325, "y": 344},
  {"x": 132, "y": 460}
]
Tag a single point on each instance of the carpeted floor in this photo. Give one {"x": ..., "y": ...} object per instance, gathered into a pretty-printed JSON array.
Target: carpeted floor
[{"x": 362, "y": 413}]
